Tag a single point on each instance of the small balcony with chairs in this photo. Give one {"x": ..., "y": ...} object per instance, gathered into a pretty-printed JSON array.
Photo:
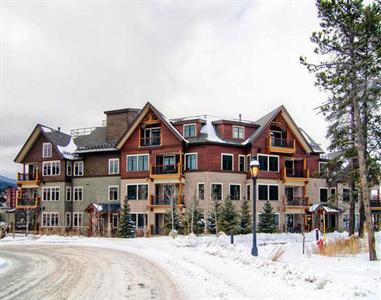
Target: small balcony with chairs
[
  {"x": 277, "y": 142},
  {"x": 167, "y": 166},
  {"x": 295, "y": 170},
  {"x": 29, "y": 179}
]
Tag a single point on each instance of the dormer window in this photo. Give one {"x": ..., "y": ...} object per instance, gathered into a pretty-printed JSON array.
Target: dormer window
[
  {"x": 189, "y": 130},
  {"x": 46, "y": 150},
  {"x": 151, "y": 136},
  {"x": 238, "y": 132}
]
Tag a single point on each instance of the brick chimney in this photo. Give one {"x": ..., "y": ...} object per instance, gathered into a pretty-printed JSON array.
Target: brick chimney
[{"x": 118, "y": 121}]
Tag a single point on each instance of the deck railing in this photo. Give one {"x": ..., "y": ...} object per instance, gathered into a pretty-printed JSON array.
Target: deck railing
[
  {"x": 150, "y": 141},
  {"x": 30, "y": 176},
  {"x": 278, "y": 142},
  {"x": 166, "y": 201},
  {"x": 296, "y": 201},
  {"x": 375, "y": 203},
  {"x": 165, "y": 169}
]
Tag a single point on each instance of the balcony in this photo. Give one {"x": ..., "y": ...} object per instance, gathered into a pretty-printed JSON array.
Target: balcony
[
  {"x": 27, "y": 202},
  {"x": 166, "y": 171},
  {"x": 375, "y": 203},
  {"x": 296, "y": 201},
  {"x": 278, "y": 145},
  {"x": 29, "y": 179},
  {"x": 150, "y": 141},
  {"x": 295, "y": 174},
  {"x": 160, "y": 201}
]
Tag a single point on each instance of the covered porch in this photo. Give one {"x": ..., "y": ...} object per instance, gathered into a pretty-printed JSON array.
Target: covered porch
[
  {"x": 324, "y": 217},
  {"x": 103, "y": 219}
]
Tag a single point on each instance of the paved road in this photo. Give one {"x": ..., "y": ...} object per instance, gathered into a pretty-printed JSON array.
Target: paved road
[{"x": 76, "y": 272}]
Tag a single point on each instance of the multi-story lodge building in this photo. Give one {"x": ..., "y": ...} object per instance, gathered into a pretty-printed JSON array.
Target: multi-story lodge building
[{"x": 82, "y": 179}]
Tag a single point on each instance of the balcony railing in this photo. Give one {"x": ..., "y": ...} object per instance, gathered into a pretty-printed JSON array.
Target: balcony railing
[
  {"x": 303, "y": 174},
  {"x": 375, "y": 203},
  {"x": 277, "y": 142},
  {"x": 151, "y": 141},
  {"x": 280, "y": 145},
  {"x": 166, "y": 201},
  {"x": 29, "y": 178},
  {"x": 165, "y": 169},
  {"x": 28, "y": 202},
  {"x": 296, "y": 201}
]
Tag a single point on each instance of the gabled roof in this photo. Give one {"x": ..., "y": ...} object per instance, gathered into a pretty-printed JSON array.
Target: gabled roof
[{"x": 140, "y": 117}]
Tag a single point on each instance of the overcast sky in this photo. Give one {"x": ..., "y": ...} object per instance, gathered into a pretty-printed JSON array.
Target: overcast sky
[{"x": 65, "y": 62}]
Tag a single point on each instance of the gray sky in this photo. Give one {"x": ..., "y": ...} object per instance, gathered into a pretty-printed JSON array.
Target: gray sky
[{"x": 64, "y": 62}]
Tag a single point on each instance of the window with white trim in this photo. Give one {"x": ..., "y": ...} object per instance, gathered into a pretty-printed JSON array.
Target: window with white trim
[
  {"x": 241, "y": 163},
  {"x": 227, "y": 162},
  {"x": 191, "y": 161},
  {"x": 78, "y": 168},
  {"x": 248, "y": 160},
  {"x": 268, "y": 163},
  {"x": 77, "y": 193},
  {"x": 216, "y": 191},
  {"x": 77, "y": 219},
  {"x": 137, "y": 163},
  {"x": 200, "y": 191},
  {"x": 238, "y": 132},
  {"x": 46, "y": 150},
  {"x": 115, "y": 221},
  {"x": 67, "y": 219},
  {"x": 69, "y": 168},
  {"x": 248, "y": 195},
  {"x": 113, "y": 193},
  {"x": 113, "y": 166},
  {"x": 140, "y": 220},
  {"x": 51, "y": 168},
  {"x": 68, "y": 193},
  {"x": 235, "y": 191},
  {"x": 137, "y": 191},
  {"x": 50, "y": 194},
  {"x": 268, "y": 192},
  {"x": 189, "y": 130},
  {"x": 49, "y": 219}
]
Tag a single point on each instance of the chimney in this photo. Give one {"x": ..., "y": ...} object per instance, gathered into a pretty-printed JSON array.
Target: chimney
[
  {"x": 240, "y": 117},
  {"x": 118, "y": 121},
  {"x": 59, "y": 129}
]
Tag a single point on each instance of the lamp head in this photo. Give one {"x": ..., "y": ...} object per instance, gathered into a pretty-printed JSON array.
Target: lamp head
[{"x": 254, "y": 167}]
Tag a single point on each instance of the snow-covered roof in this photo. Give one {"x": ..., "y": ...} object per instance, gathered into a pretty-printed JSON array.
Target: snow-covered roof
[
  {"x": 325, "y": 207},
  {"x": 314, "y": 145}
]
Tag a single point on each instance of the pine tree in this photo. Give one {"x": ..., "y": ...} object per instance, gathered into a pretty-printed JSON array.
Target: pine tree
[
  {"x": 228, "y": 221},
  {"x": 245, "y": 218},
  {"x": 127, "y": 227},
  {"x": 213, "y": 217},
  {"x": 349, "y": 43},
  {"x": 177, "y": 224},
  {"x": 267, "y": 222}
]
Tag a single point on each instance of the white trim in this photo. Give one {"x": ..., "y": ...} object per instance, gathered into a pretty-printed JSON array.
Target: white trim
[
  {"x": 77, "y": 213},
  {"x": 50, "y": 188},
  {"x": 50, "y": 213},
  {"x": 323, "y": 188},
  {"x": 198, "y": 190},
  {"x": 243, "y": 132},
  {"x": 244, "y": 163},
  {"x": 79, "y": 162},
  {"x": 78, "y": 188},
  {"x": 66, "y": 215},
  {"x": 268, "y": 162},
  {"x": 145, "y": 219},
  {"x": 268, "y": 191},
  {"x": 111, "y": 160},
  {"x": 69, "y": 163},
  {"x": 108, "y": 190},
  {"x": 247, "y": 162},
  {"x": 227, "y": 154},
  {"x": 112, "y": 220},
  {"x": 68, "y": 188},
  {"x": 185, "y": 158},
  {"x": 222, "y": 190},
  {"x": 137, "y": 191},
  {"x": 195, "y": 130},
  {"x": 51, "y": 162},
  {"x": 240, "y": 191},
  {"x": 250, "y": 189},
  {"x": 43, "y": 150},
  {"x": 137, "y": 162}
]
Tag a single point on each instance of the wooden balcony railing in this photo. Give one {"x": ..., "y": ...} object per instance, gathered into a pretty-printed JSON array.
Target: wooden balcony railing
[
  {"x": 166, "y": 171},
  {"x": 33, "y": 178},
  {"x": 375, "y": 203},
  {"x": 296, "y": 174},
  {"x": 151, "y": 141},
  {"x": 280, "y": 145},
  {"x": 26, "y": 202},
  {"x": 167, "y": 201},
  {"x": 296, "y": 201}
]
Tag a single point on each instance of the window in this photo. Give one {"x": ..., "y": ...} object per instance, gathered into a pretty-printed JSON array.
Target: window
[
  {"x": 189, "y": 130},
  {"x": 78, "y": 193},
  {"x": 68, "y": 193},
  {"x": 137, "y": 191},
  {"x": 235, "y": 191},
  {"x": 46, "y": 150},
  {"x": 191, "y": 161},
  {"x": 248, "y": 195},
  {"x": 115, "y": 221},
  {"x": 268, "y": 192},
  {"x": 323, "y": 194},
  {"x": 68, "y": 219},
  {"x": 50, "y": 194},
  {"x": 248, "y": 159},
  {"x": 151, "y": 136},
  {"x": 216, "y": 191},
  {"x": 332, "y": 191},
  {"x": 69, "y": 168},
  {"x": 241, "y": 163},
  {"x": 238, "y": 132},
  {"x": 268, "y": 163},
  {"x": 346, "y": 195},
  {"x": 227, "y": 162},
  {"x": 77, "y": 219},
  {"x": 137, "y": 163},
  {"x": 276, "y": 219},
  {"x": 346, "y": 220},
  {"x": 113, "y": 193},
  {"x": 78, "y": 168},
  {"x": 323, "y": 169},
  {"x": 51, "y": 168},
  {"x": 140, "y": 220},
  {"x": 113, "y": 166},
  {"x": 49, "y": 219},
  {"x": 201, "y": 191}
]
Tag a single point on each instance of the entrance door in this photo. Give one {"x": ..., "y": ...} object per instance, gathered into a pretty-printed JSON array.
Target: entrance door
[{"x": 159, "y": 223}]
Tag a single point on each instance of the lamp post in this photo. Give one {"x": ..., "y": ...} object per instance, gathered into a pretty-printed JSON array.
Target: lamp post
[{"x": 254, "y": 169}]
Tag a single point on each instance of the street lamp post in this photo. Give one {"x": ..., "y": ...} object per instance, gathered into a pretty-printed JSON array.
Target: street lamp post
[{"x": 254, "y": 169}]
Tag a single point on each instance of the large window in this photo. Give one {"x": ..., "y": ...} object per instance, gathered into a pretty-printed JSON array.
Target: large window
[
  {"x": 113, "y": 193},
  {"x": 50, "y": 219},
  {"x": 140, "y": 220},
  {"x": 227, "y": 162},
  {"x": 51, "y": 168},
  {"x": 113, "y": 166},
  {"x": 78, "y": 193},
  {"x": 268, "y": 163},
  {"x": 50, "y": 194},
  {"x": 235, "y": 191},
  {"x": 201, "y": 191},
  {"x": 136, "y": 163},
  {"x": 78, "y": 168},
  {"x": 346, "y": 195},
  {"x": 238, "y": 132},
  {"x": 137, "y": 191},
  {"x": 77, "y": 219},
  {"x": 189, "y": 130},
  {"x": 46, "y": 150},
  {"x": 241, "y": 163},
  {"x": 323, "y": 194},
  {"x": 151, "y": 136},
  {"x": 191, "y": 161},
  {"x": 268, "y": 192},
  {"x": 216, "y": 191}
]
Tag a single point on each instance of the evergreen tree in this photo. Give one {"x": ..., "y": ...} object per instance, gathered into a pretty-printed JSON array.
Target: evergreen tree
[
  {"x": 177, "y": 224},
  {"x": 213, "y": 217},
  {"x": 245, "y": 218},
  {"x": 350, "y": 73},
  {"x": 228, "y": 221},
  {"x": 267, "y": 222},
  {"x": 127, "y": 227}
]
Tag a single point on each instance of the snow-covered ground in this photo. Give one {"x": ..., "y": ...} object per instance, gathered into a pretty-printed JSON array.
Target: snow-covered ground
[
  {"x": 211, "y": 268},
  {"x": 2, "y": 263}
]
